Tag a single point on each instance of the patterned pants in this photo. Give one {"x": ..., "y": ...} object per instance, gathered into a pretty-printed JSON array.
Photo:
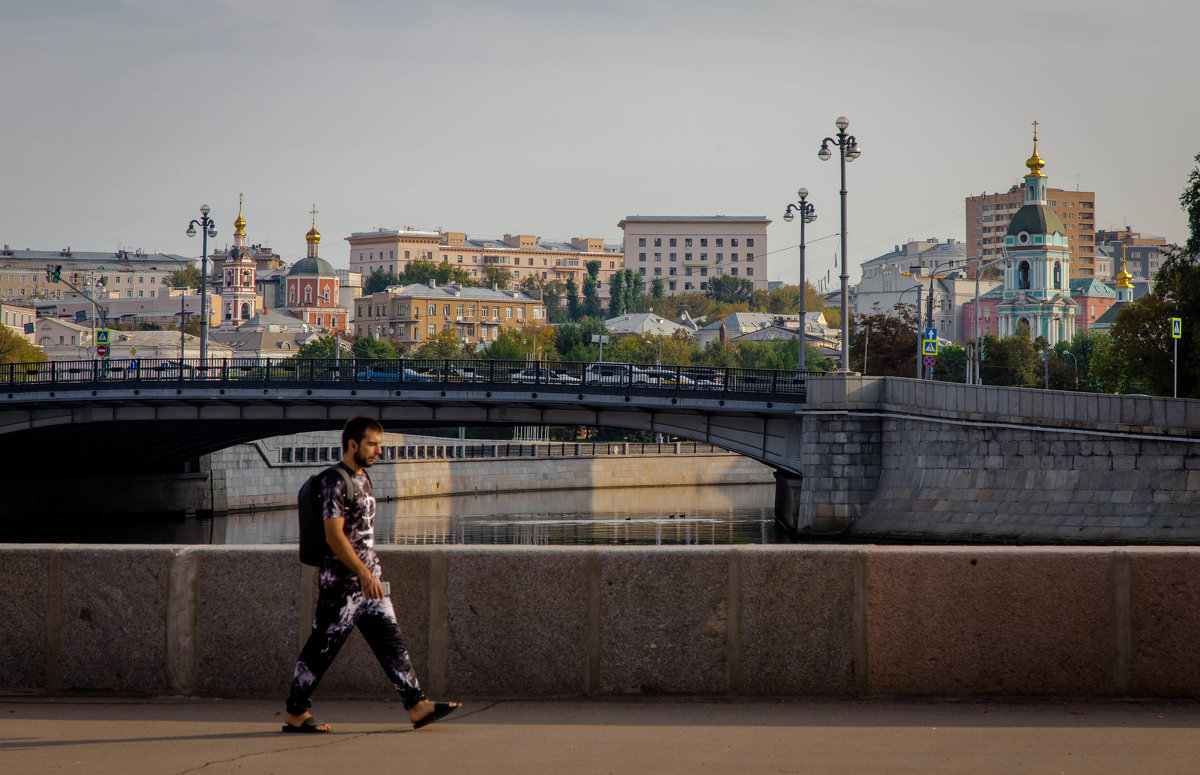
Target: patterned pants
[{"x": 337, "y": 614}]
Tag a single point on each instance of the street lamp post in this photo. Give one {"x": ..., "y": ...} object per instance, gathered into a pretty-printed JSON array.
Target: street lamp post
[
  {"x": 848, "y": 150},
  {"x": 899, "y": 298},
  {"x": 977, "y": 356},
  {"x": 207, "y": 229},
  {"x": 808, "y": 214},
  {"x": 933, "y": 275}
]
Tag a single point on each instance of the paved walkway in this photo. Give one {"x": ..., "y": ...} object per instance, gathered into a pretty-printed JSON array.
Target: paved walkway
[{"x": 99, "y": 736}]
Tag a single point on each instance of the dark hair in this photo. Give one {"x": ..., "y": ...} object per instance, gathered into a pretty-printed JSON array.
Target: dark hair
[{"x": 356, "y": 428}]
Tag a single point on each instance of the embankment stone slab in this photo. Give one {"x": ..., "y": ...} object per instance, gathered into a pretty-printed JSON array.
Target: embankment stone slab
[
  {"x": 1165, "y": 628},
  {"x": 114, "y": 602},
  {"x": 24, "y": 607},
  {"x": 990, "y": 621},
  {"x": 492, "y": 594},
  {"x": 797, "y": 611},
  {"x": 663, "y": 621}
]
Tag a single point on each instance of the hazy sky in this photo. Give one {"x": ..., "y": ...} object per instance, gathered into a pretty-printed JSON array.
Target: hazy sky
[{"x": 559, "y": 118}]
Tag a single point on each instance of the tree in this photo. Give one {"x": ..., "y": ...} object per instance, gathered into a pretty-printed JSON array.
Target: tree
[
  {"x": 552, "y": 295},
  {"x": 574, "y": 309},
  {"x": 379, "y": 280},
  {"x": 786, "y": 300},
  {"x": 496, "y": 276},
  {"x": 444, "y": 344},
  {"x": 657, "y": 290},
  {"x": 892, "y": 347},
  {"x": 591, "y": 295},
  {"x": 616, "y": 292},
  {"x": 635, "y": 291},
  {"x": 188, "y": 277},
  {"x": 366, "y": 348},
  {"x": 573, "y": 339},
  {"x": 441, "y": 272},
  {"x": 16, "y": 349},
  {"x": 730, "y": 289},
  {"x": 511, "y": 344},
  {"x": 593, "y": 268},
  {"x": 1189, "y": 200},
  {"x": 1010, "y": 361},
  {"x": 324, "y": 347}
]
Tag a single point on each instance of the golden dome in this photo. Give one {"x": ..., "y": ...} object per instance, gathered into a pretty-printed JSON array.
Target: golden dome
[
  {"x": 239, "y": 226},
  {"x": 313, "y": 236},
  {"x": 1123, "y": 276},
  {"x": 1035, "y": 162}
]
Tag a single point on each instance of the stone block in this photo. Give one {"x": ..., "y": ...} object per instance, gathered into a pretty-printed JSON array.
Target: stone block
[
  {"x": 796, "y": 635},
  {"x": 246, "y": 631},
  {"x": 113, "y": 629},
  {"x": 24, "y": 607},
  {"x": 517, "y": 622},
  {"x": 1164, "y": 590},
  {"x": 968, "y": 621},
  {"x": 664, "y": 621}
]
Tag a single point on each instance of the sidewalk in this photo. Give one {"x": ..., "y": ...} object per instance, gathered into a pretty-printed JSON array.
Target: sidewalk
[{"x": 216, "y": 736}]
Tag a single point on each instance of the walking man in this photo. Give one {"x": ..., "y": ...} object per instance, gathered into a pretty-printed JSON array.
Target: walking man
[{"x": 350, "y": 590}]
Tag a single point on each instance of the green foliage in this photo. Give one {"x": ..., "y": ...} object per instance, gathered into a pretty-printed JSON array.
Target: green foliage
[
  {"x": 657, "y": 290},
  {"x": 730, "y": 289},
  {"x": 591, "y": 296},
  {"x": 635, "y": 291},
  {"x": 1010, "y": 361},
  {"x": 552, "y": 296},
  {"x": 593, "y": 268},
  {"x": 366, "y": 348},
  {"x": 442, "y": 272},
  {"x": 833, "y": 316},
  {"x": 574, "y": 308},
  {"x": 497, "y": 276},
  {"x": 785, "y": 300},
  {"x": 444, "y": 344},
  {"x": 616, "y": 291},
  {"x": 1189, "y": 200},
  {"x": 892, "y": 348},
  {"x": 951, "y": 364},
  {"x": 1139, "y": 356},
  {"x": 15, "y": 349},
  {"x": 511, "y": 344},
  {"x": 379, "y": 280},
  {"x": 188, "y": 277},
  {"x": 325, "y": 347},
  {"x": 573, "y": 339}
]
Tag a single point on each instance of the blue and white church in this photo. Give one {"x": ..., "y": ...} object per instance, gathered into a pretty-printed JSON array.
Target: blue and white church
[{"x": 1037, "y": 276}]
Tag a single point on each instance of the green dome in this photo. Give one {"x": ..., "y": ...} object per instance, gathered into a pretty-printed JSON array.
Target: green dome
[
  {"x": 312, "y": 267},
  {"x": 1036, "y": 219}
]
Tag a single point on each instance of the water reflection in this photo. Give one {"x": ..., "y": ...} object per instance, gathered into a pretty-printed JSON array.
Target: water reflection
[{"x": 665, "y": 515}]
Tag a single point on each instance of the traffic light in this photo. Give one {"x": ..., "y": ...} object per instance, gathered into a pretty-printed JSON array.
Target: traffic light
[{"x": 54, "y": 273}]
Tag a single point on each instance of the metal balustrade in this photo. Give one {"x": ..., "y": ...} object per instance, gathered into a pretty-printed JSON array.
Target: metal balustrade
[{"x": 409, "y": 373}]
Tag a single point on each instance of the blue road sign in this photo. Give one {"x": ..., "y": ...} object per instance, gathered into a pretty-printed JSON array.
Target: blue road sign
[
  {"x": 929, "y": 348},
  {"x": 931, "y": 333},
  {"x": 929, "y": 361},
  {"x": 1177, "y": 328}
]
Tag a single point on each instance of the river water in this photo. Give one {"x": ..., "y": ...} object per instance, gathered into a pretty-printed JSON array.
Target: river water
[{"x": 711, "y": 514}]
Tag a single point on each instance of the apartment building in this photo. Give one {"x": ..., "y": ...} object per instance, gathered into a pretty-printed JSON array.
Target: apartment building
[
  {"x": 123, "y": 274},
  {"x": 524, "y": 255},
  {"x": 1141, "y": 253},
  {"x": 411, "y": 314},
  {"x": 686, "y": 251},
  {"x": 988, "y": 216}
]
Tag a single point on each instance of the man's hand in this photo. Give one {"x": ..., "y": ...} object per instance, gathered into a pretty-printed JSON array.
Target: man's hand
[{"x": 371, "y": 587}]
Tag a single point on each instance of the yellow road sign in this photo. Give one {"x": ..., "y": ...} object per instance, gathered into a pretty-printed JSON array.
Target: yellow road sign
[
  {"x": 930, "y": 347},
  {"x": 1177, "y": 328}
]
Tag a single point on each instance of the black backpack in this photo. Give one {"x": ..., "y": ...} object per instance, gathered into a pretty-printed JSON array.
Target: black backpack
[{"x": 313, "y": 546}]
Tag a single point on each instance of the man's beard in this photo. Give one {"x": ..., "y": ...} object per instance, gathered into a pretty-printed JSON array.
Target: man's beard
[{"x": 363, "y": 460}]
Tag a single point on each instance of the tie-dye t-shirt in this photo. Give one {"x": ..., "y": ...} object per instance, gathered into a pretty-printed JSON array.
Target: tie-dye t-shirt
[{"x": 359, "y": 526}]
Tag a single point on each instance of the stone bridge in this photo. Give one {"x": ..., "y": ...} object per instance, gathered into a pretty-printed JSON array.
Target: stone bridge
[{"x": 871, "y": 456}]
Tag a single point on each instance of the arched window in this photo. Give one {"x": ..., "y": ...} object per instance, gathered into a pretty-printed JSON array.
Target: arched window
[
  {"x": 308, "y": 294},
  {"x": 246, "y": 311},
  {"x": 1057, "y": 275},
  {"x": 1023, "y": 276},
  {"x": 291, "y": 294}
]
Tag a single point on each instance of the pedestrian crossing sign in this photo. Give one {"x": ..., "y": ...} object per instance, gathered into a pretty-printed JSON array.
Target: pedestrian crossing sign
[
  {"x": 1177, "y": 328},
  {"x": 930, "y": 347},
  {"x": 102, "y": 336}
]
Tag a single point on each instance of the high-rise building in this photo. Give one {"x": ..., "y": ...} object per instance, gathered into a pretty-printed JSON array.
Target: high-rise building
[
  {"x": 687, "y": 251},
  {"x": 988, "y": 216}
]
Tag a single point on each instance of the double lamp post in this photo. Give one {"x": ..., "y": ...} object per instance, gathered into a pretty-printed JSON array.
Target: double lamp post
[
  {"x": 848, "y": 150},
  {"x": 207, "y": 229}
]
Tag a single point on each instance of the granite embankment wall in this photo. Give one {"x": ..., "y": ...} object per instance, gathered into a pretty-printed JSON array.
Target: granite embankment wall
[
  {"x": 582, "y": 621},
  {"x": 255, "y": 475}
]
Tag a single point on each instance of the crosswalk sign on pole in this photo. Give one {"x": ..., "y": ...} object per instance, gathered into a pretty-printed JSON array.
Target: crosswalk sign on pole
[
  {"x": 930, "y": 347},
  {"x": 1176, "y": 328}
]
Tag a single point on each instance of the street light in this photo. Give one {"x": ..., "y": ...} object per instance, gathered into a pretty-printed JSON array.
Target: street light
[
  {"x": 899, "y": 298},
  {"x": 933, "y": 275},
  {"x": 207, "y": 229},
  {"x": 977, "y": 355},
  {"x": 808, "y": 214},
  {"x": 1076, "y": 360},
  {"x": 848, "y": 150},
  {"x": 182, "y": 308}
]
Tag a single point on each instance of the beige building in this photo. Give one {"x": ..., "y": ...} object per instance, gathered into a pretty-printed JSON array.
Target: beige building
[
  {"x": 524, "y": 255},
  {"x": 988, "y": 216},
  {"x": 123, "y": 274},
  {"x": 411, "y": 314},
  {"x": 685, "y": 251}
]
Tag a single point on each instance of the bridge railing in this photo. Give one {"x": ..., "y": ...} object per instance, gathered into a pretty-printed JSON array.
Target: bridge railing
[{"x": 407, "y": 372}]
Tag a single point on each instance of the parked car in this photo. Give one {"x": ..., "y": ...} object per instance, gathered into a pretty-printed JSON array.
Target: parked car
[
  {"x": 543, "y": 376},
  {"x": 710, "y": 379},
  {"x": 394, "y": 375}
]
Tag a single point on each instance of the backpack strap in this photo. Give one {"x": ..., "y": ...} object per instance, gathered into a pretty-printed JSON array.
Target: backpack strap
[{"x": 348, "y": 480}]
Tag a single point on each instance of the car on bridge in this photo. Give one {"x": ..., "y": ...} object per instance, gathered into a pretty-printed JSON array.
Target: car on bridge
[
  {"x": 543, "y": 376},
  {"x": 667, "y": 377},
  {"x": 394, "y": 375},
  {"x": 615, "y": 374}
]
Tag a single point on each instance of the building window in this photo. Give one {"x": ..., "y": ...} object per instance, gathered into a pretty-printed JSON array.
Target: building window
[
  {"x": 720, "y": 242},
  {"x": 658, "y": 256},
  {"x": 733, "y": 256},
  {"x": 508, "y": 313},
  {"x": 749, "y": 271},
  {"x": 733, "y": 242},
  {"x": 673, "y": 256},
  {"x": 641, "y": 256},
  {"x": 1023, "y": 276},
  {"x": 658, "y": 242},
  {"x": 672, "y": 242},
  {"x": 733, "y": 271},
  {"x": 672, "y": 272},
  {"x": 641, "y": 242},
  {"x": 687, "y": 242},
  {"x": 749, "y": 242},
  {"x": 704, "y": 242},
  {"x": 657, "y": 271}
]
